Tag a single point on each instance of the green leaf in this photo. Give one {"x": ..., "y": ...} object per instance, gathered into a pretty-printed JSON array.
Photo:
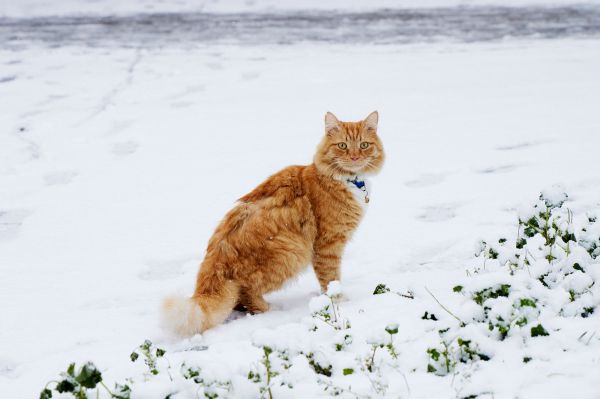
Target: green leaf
[
  {"x": 533, "y": 222},
  {"x": 348, "y": 371},
  {"x": 381, "y": 289},
  {"x": 587, "y": 312},
  {"x": 46, "y": 394},
  {"x": 431, "y": 369},
  {"x": 392, "y": 329},
  {"x": 146, "y": 345},
  {"x": 434, "y": 354},
  {"x": 538, "y": 331},
  {"x": 569, "y": 237},
  {"x": 65, "y": 386},
  {"x": 89, "y": 376},
  {"x": 122, "y": 392},
  {"x": 457, "y": 288},
  {"x": 134, "y": 356},
  {"x": 527, "y": 302},
  {"x": 160, "y": 352},
  {"x": 526, "y": 359},
  {"x": 521, "y": 322},
  {"x": 529, "y": 231},
  {"x": 481, "y": 296}
]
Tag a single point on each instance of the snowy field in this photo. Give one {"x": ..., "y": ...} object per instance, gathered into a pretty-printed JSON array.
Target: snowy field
[
  {"x": 117, "y": 162},
  {"x": 43, "y": 8}
]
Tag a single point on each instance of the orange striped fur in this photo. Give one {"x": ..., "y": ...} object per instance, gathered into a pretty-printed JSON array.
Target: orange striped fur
[{"x": 299, "y": 216}]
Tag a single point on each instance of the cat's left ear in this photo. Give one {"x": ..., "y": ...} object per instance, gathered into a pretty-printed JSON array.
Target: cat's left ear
[
  {"x": 331, "y": 123},
  {"x": 371, "y": 121}
]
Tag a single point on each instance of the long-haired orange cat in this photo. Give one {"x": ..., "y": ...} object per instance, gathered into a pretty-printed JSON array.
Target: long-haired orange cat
[{"x": 298, "y": 216}]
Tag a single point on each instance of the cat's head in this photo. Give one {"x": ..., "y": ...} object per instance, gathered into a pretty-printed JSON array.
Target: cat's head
[{"x": 350, "y": 148}]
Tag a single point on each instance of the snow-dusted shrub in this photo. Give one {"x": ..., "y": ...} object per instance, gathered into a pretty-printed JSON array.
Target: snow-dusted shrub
[
  {"x": 547, "y": 271},
  {"x": 548, "y": 248},
  {"x": 444, "y": 358}
]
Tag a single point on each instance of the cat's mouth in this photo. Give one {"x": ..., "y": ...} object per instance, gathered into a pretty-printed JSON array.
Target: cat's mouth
[{"x": 354, "y": 166}]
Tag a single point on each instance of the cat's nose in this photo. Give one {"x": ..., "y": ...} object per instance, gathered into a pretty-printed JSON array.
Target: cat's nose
[{"x": 354, "y": 158}]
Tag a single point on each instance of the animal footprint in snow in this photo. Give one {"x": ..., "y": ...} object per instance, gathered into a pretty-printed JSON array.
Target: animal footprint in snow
[
  {"x": 125, "y": 148},
  {"x": 160, "y": 270},
  {"x": 425, "y": 180},
  {"x": 498, "y": 169},
  {"x": 11, "y": 221},
  {"x": 438, "y": 213},
  {"x": 57, "y": 178},
  {"x": 250, "y": 75}
]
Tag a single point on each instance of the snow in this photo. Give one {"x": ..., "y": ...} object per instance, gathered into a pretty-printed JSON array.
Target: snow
[
  {"x": 41, "y": 8},
  {"x": 334, "y": 289},
  {"x": 117, "y": 163}
]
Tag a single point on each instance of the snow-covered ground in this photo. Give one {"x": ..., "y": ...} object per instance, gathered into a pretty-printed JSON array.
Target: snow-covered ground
[
  {"x": 43, "y": 8},
  {"x": 117, "y": 163}
]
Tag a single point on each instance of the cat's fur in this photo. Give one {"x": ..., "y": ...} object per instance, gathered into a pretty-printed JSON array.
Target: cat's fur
[{"x": 298, "y": 216}]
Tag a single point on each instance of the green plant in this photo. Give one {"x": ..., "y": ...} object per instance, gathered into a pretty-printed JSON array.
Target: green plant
[
  {"x": 150, "y": 354},
  {"x": 266, "y": 376},
  {"x": 80, "y": 381},
  {"x": 538, "y": 331},
  {"x": 392, "y": 329}
]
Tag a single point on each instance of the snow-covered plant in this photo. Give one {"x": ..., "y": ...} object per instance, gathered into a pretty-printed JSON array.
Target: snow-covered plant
[
  {"x": 263, "y": 374},
  {"x": 342, "y": 340},
  {"x": 444, "y": 358},
  {"x": 381, "y": 288},
  {"x": 325, "y": 308},
  {"x": 589, "y": 235},
  {"x": 151, "y": 355},
  {"x": 549, "y": 248},
  {"x": 319, "y": 363},
  {"x": 546, "y": 271},
  {"x": 392, "y": 329},
  {"x": 211, "y": 389},
  {"x": 78, "y": 382}
]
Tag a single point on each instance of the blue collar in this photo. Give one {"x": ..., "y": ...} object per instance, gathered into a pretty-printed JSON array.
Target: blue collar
[{"x": 358, "y": 183}]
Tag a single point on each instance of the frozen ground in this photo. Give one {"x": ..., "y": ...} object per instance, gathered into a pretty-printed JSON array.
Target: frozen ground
[{"x": 116, "y": 162}]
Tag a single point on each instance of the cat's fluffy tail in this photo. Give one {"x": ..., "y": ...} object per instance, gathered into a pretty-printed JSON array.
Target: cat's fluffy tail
[
  {"x": 207, "y": 308},
  {"x": 183, "y": 316}
]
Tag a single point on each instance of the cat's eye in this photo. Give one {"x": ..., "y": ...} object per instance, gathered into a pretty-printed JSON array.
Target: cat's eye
[
  {"x": 364, "y": 145},
  {"x": 343, "y": 146}
]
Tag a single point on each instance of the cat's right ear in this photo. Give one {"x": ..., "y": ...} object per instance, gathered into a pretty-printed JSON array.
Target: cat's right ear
[{"x": 331, "y": 123}]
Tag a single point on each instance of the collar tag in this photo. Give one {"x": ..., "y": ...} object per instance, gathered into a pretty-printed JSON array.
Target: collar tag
[{"x": 360, "y": 184}]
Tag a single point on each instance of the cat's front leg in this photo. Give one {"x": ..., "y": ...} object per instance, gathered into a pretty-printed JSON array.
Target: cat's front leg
[{"x": 326, "y": 261}]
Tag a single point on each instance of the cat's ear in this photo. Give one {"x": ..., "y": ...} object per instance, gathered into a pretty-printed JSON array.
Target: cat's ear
[
  {"x": 371, "y": 121},
  {"x": 331, "y": 123}
]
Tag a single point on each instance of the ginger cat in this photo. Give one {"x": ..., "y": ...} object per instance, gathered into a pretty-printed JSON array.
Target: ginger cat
[{"x": 300, "y": 215}]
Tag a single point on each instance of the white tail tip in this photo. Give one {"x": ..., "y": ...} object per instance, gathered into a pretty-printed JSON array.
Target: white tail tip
[{"x": 182, "y": 316}]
